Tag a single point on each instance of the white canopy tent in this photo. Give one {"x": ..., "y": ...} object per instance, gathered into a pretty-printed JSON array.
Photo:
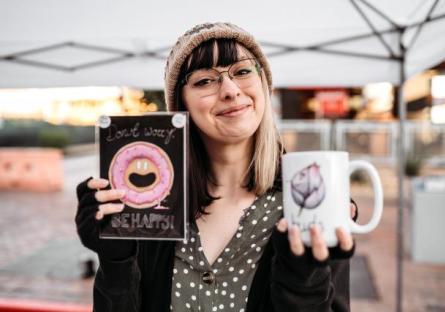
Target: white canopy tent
[
  {"x": 50, "y": 43},
  {"x": 55, "y": 43}
]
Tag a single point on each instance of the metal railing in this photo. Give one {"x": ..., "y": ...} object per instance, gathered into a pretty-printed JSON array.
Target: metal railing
[
  {"x": 427, "y": 141},
  {"x": 305, "y": 135},
  {"x": 371, "y": 140}
]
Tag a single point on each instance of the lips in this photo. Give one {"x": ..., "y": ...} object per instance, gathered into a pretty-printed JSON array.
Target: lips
[{"x": 234, "y": 110}]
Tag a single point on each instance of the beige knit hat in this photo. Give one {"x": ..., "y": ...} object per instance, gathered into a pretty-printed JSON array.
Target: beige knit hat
[{"x": 193, "y": 38}]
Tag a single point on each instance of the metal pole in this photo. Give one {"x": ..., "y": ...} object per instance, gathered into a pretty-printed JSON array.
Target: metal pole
[{"x": 401, "y": 176}]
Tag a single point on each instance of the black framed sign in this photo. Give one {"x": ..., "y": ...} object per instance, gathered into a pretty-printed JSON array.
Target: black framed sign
[{"x": 146, "y": 156}]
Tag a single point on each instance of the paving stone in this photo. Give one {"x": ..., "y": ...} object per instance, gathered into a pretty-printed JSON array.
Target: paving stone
[
  {"x": 59, "y": 259},
  {"x": 362, "y": 284}
]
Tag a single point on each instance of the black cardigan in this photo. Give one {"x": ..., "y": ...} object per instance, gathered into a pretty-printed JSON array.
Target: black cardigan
[{"x": 282, "y": 282}]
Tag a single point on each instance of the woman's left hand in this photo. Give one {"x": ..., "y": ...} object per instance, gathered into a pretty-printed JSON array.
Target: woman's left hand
[{"x": 320, "y": 250}]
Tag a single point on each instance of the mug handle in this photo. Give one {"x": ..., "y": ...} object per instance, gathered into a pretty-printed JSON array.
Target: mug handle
[{"x": 378, "y": 196}]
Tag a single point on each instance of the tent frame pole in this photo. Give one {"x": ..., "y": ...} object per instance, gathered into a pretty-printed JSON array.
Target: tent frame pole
[
  {"x": 401, "y": 175},
  {"x": 404, "y": 49},
  {"x": 321, "y": 47},
  {"x": 377, "y": 34}
]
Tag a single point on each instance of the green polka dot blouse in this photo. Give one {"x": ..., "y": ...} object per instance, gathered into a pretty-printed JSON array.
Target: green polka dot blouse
[{"x": 224, "y": 285}]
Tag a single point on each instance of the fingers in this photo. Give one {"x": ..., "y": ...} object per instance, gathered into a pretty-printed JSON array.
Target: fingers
[
  {"x": 282, "y": 225},
  {"x": 109, "y": 195},
  {"x": 319, "y": 248},
  {"x": 353, "y": 210},
  {"x": 345, "y": 240},
  {"x": 295, "y": 242},
  {"x": 95, "y": 184},
  {"x": 109, "y": 208}
]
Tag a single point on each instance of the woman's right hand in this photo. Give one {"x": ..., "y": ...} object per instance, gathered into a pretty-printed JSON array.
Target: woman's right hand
[{"x": 94, "y": 203}]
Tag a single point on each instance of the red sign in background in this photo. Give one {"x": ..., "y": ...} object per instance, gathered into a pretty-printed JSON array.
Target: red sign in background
[{"x": 333, "y": 103}]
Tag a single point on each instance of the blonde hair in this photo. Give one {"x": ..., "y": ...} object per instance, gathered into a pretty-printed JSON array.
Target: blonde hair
[{"x": 268, "y": 147}]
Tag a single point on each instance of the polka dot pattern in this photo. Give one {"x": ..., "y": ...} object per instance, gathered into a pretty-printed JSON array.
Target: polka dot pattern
[{"x": 233, "y": 270}]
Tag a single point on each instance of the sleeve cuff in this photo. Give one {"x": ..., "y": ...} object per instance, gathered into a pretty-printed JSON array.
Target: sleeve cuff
[{"x": 118, "y": 276}]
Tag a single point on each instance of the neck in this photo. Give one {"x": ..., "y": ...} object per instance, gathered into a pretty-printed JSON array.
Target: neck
[{"x": 229, "y": 163}]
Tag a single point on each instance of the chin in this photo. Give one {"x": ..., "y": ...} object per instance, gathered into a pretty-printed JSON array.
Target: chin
[{"x": 237, "y": 137}]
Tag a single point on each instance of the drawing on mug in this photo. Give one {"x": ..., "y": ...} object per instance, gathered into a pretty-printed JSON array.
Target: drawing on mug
[
  {"x": 145, "y": 171},
  {"x": 307, "y": 187}
]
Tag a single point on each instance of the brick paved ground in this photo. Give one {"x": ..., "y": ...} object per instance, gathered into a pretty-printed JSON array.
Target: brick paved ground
[
  {"x": 32, "y": 263},
  {"x": 424, "y": 284},
  {"x": 40, "y": 254}
]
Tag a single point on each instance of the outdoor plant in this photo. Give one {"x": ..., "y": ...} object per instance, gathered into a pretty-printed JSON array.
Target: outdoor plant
[
  {"x": 413, "y": 164},
  {"x": 359, "y": 177},
  {"x": 52, "y": 137}
]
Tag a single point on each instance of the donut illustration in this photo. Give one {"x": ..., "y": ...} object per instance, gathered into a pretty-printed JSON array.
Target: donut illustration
[
  {"x": 144, "y": 171},
  {"x": 307, "y": 187}
]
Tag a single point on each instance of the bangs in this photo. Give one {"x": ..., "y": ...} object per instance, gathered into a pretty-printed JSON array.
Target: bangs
[{"x": 212, "y": 53}]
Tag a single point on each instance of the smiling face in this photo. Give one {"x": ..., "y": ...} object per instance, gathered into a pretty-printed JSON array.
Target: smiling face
[
  {"x": 234, "y": 112},
  {"x": 141, "y": 174}
]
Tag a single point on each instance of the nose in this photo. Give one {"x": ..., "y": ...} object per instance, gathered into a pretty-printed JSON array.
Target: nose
[{"x": 229, "y": 90}]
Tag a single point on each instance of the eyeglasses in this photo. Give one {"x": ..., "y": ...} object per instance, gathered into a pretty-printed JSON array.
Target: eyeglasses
[{"x": 207, "y": 81}]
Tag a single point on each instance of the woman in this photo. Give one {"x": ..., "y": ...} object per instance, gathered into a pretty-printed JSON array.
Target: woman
[{"x": 240, "y": 255}]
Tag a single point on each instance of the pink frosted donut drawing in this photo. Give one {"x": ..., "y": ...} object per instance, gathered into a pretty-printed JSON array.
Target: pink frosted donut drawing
[{"x": 144, "y": 171}]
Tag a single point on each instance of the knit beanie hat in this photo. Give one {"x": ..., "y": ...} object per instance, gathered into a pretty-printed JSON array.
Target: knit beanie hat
[{"x": 193, "y": 38}]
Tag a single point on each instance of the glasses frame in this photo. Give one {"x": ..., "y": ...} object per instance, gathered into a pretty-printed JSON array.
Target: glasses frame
[{"x": 258, "y": 68}]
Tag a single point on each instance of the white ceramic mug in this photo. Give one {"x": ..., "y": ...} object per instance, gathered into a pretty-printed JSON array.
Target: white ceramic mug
[{"x": 316, "y": 191}]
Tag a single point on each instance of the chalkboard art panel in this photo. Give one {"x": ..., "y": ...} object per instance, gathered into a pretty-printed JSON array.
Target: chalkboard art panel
[{"x": 146, "y": 156}]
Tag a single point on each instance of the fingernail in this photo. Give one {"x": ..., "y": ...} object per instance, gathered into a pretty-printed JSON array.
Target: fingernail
[
  {"x": 293, "y": 228},
  {"x": 103, "y": 182},
  {"x": 121, "y": 193},
  {"x": 99, "y": 215},
  {"x": 314, "y": 229},
  {"x": 121, "y": 207}
]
